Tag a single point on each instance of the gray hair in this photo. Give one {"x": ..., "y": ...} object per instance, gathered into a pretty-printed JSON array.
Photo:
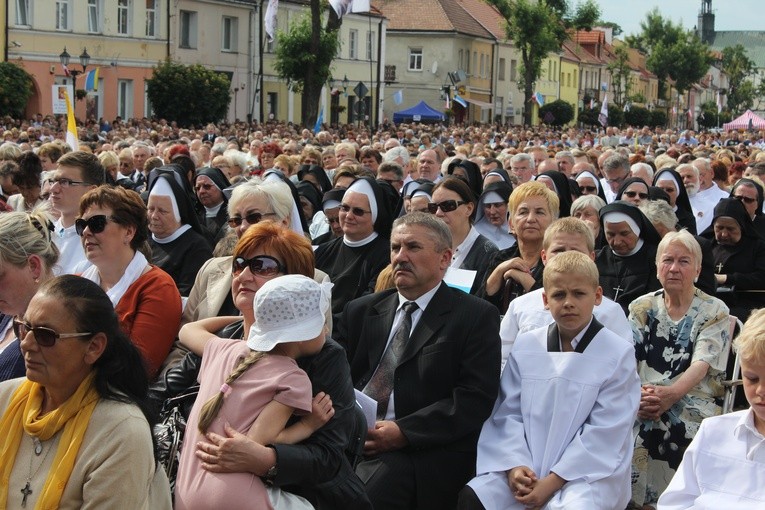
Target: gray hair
[
  {"x": 643, "y": 166},
  {"x": 237, "y": 158},
  {"x": 437, "y": 229},
  {"x": 684, "y": 239},
  {"x": 390, "y": 166},
  {"x": 659, "y": 212},
  {"x": 397, "y": 152},
  {"x": 276, "y": 193},
  {"x": 616, "y": 162},
  {"x": 586, "y": 201},
  {"x": 686, "y": 166},
  {"x": 518, "y": 158}
]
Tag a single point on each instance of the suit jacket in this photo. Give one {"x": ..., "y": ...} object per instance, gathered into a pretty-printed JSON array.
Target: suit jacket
[{"x": 445, "y": 383}]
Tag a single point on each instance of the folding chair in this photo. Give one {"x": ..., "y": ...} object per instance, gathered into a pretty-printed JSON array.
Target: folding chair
[{"x": 733, "y": 371}]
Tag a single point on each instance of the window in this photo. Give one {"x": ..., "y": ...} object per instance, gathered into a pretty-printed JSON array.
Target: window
[
  {"x": 461, "y": 60},
  {"x": 125, "y": 98},
  {"x": 148, "y": 110},
  {"x": 467, "y": 62},
  {"x": 475, "y": 62},
  {"x": 501, "y": 70},
  {"x": 272, "y": 105},
  {"x": 152, "y": 18},
  {"x": 23, "y": 13},
  {"x": 230, "y": 33},
  {"x": 513, "y": 70},
  {"x": 94, "y": 16},
  {"x": 123, "y": 17},
  {"x": 188, "y": 30},
  {"x": 270, "y": 45},
  {"x": 481, "y": 67},
  {"x": 415, "y": 59},
  {"x": 370, "y": 45},
  {"x": 353, "y": 45},
  {"x": 62, "y": 14}
]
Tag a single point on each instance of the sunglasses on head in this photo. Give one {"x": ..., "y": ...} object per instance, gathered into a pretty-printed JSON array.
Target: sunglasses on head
[
  {"x": 356, "y": 211},
  {"x": 589, "y": 189},
  {"x": 445, "y": 206},
  {"x": 633, "y": 194},
  {"x": 96, "y": 224},
  {"x": 251, "y": 218},
  {"x": 744, "y": 199},
  {"x": 262, "y": 265},
  {"x": 45, "y": 337}
]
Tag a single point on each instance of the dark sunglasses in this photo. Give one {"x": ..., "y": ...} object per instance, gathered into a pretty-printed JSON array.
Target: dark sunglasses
[
  {"x": 746, "y": 200},
  {"x": 45, "y": 337},
  {"x": 262, "y": 265},
  {"x": 589, "y": 189},
  {"x": 445, "y": 206},
  {"x": 251, "y": 218},
  {"x": 356, "y": 211},
  {"x": 203, "y": 186},
  {"x": 633, "y": 194},
  {"x": 96, "y": 224}
]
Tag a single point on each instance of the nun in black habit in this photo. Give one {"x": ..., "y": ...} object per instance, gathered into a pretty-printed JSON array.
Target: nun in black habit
[
  {"x": 495, "y": 226},
  {"x": 561, "y": 187},
  {"x": 758, "y": 219},
  {"x": 671, "y": 182},
  {"x": 469, "y": 172},
  {"x": 213, "y": 219},
  {"x": 627, "y": 265},
  {"x": 354, "y": 260},
  {"x": 586, "y": 181}
]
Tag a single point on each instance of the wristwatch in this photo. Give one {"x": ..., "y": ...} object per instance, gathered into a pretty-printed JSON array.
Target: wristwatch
[{"x": 268, "y": 478}]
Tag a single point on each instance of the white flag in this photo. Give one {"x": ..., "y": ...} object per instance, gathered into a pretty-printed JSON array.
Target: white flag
[
  {"x": 398, "y": 97},
  {"x": 360, "y": 6},
  {"x": 603, "y": 117},
  {"x": 270, "y": 19}
]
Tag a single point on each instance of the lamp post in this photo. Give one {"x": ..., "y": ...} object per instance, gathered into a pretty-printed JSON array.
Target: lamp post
[
  {"x": 345, "y": 85},
  {"x": 84, "y": 61}
]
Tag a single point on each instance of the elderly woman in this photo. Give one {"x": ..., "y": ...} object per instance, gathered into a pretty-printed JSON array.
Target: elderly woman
[
  {"x": 587, "y": 208},
  {"x": 178, "y": 245},
  {"x": 518, "y": 269},
  {"x": 672, "y": 183},
  {"x": 681, "y": 344},
  {"x": 27, "y": 178},
  {"x": 27, "y": 256},
  {"x": 420, "y": 197},
  {"x": 454, "y": 202},
  {"x": 113, "y": 228},
  {"x": 739, "y": 258},
  {"x": 79, "y": 417},
  {"x": 589, "y": 184}
]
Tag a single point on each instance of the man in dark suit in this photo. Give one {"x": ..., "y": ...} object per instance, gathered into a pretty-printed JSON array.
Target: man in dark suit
[{"x": 442, "y": 382}]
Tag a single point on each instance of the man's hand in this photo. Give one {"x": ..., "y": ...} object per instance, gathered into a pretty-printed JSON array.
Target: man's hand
[
  {"x": 234, "y": 453},
  {"x": 385, "y": 437}
]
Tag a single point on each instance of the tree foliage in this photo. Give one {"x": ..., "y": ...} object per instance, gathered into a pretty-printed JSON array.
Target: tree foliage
[
  {"x": 188, "y": 94},
  {"x": 304, "y": 57},
  {"x": 557, "y": 113},
  {"x": 658, "y": 118},
  {"x": 708, "y": 116},
  {"x": 15, "y": 89},
  {"x": 673, "y": 52},
  {"x": 637, "y": 116},
  {"x": 620, "y": 75},
  {"x": 538, "y": 27},
  {"x": 739, "y": 68}
]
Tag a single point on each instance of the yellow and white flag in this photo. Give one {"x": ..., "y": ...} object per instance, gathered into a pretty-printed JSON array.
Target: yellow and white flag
[{"x": 71, "y": 125}]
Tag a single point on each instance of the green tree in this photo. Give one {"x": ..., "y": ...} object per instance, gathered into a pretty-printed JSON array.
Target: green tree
[
  {"x": 658, "y": 118},
  {"x": 15, "y": 89},
  {"x": 615, "y": 115},
  {"x": 620, "y": 75},
  {"x": 304, "y": 57},
  {"x": 557, "y": 113},
  {"x": 538, "y": 27},
  {"x": 637, "y": 116},
  {"x": 739, "y": 68},
  {"x": 708, "y": 116},
  {"x": 188, "y": 94}
]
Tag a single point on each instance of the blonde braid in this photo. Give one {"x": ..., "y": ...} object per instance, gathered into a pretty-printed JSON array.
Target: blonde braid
[{"x": 212, "y": 407}]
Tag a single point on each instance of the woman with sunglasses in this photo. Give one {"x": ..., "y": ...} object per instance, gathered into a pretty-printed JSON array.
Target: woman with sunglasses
[
  {"x": 750, "y": 192},
  {"x": 589, "y": 184},
  {"x": 77, "y": 429},
  {"x": 27, "y": 258},
  {"x": 634, "y": 190},
  {"x": 672, "y": 184},
  {"x": 454, "y": 202},
  {"x": 113, "y": 228}
]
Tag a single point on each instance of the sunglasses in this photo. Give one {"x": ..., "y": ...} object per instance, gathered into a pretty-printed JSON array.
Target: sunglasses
[
  {"x": 251, "y": 218},
  {"x": 45, "y": 337},
  {"x": 356, "y": 211},
  {"x": 96, "y": 224},
  {"x": 633, "y": 194},
  {"x": 589, "y": 189},
  {"x": 262, "y": 265},
  {"x": 204, "y": 186},
  {"x": 746, "y": 200},
  {"x": 445, "y": 206}
]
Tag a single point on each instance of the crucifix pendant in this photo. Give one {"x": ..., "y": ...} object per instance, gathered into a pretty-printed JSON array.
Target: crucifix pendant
[
  {"x": 26, "y": 491},
  {"x": 618, "y": 289},
  {"x": 719, "y": 267}
]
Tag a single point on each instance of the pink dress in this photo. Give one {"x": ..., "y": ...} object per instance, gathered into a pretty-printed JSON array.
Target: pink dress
[{"x": 272, "y": 378}]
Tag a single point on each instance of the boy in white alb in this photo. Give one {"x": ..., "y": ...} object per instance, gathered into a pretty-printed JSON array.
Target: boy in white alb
[
  {"x": 724, "y": 466},
  {"x": 560, "y": 435}
]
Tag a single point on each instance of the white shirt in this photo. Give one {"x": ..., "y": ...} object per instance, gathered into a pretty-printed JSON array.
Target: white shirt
[
  {"x": 72, "y": 259},
  {"x": 703, "y": 204},
  {"x": 723, "y": 467},
  {"x": 461, "y": 251}
]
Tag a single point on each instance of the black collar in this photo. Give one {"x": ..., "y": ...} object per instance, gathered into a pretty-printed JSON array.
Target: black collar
[{"x": 553, "y": 338}]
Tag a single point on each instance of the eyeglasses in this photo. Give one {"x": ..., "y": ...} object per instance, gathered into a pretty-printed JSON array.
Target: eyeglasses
[
  {"x": 65, "y": 183},
  {"x": 96, "y": 224},
  {"x": 356, "y": 211},
  {"x": 633, "y": 194},
  {"x": 262, "y": 265},
  {"x": 251, "y": 218},
  {"x": 746, "y": 200},
  {"x": 445, "y": 206},
  {"x": 203, "y": 186},
  {"x": 589, "y": 189},
  {"x": 45, "y": 337}
]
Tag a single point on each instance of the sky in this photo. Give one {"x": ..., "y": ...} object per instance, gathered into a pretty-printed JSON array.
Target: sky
[{"x": 729, "y": 14}]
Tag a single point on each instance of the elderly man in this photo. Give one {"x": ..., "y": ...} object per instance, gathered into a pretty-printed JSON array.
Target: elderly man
[
  {"x": 429, "y": 165},
  {"x": 565, "y": 161},
  {"x": 429, "y": 355},
  {"x": 642, "y": 170},
  {"x": 616, "y": 169},
  {"x": 522, "y": 166}
]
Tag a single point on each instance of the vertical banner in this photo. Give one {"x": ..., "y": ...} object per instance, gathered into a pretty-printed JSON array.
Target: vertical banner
[{"x": 58, "y": 95}]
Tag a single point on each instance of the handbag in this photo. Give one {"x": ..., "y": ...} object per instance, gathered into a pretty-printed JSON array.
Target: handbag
[{"x": 170, "y": 429}]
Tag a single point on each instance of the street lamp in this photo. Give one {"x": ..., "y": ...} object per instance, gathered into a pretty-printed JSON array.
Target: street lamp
[
  {"x": 345, "y": 84},
  {"x": 84, "y": 61}
]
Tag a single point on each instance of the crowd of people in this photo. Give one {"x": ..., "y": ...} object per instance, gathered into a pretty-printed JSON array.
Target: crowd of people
[{"x": 532, "y": 318}]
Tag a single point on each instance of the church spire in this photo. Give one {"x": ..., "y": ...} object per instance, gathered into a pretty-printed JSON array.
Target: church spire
[{"x": 706, "y": 24}]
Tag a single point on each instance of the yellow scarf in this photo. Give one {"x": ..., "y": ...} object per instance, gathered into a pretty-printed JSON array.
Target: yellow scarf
[{"x": 23, "y": 415}]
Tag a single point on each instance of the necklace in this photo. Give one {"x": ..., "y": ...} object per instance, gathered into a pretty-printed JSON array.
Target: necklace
[{"x": 38, "y": 448}]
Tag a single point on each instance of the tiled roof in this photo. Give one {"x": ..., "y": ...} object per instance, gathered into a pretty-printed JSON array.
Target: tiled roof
[
  {"x": 590, "y": 37},
  {"x": 431, "y": 15},
  {"x": 487, "y": 15},
  {"x": 754, "y": 42}
]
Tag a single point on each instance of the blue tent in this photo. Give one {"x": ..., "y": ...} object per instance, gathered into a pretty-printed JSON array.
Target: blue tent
[{"x": 420, "y": 112}]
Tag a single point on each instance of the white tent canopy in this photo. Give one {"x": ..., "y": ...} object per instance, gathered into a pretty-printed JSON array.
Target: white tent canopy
[{"x": 748, "y": 120}]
